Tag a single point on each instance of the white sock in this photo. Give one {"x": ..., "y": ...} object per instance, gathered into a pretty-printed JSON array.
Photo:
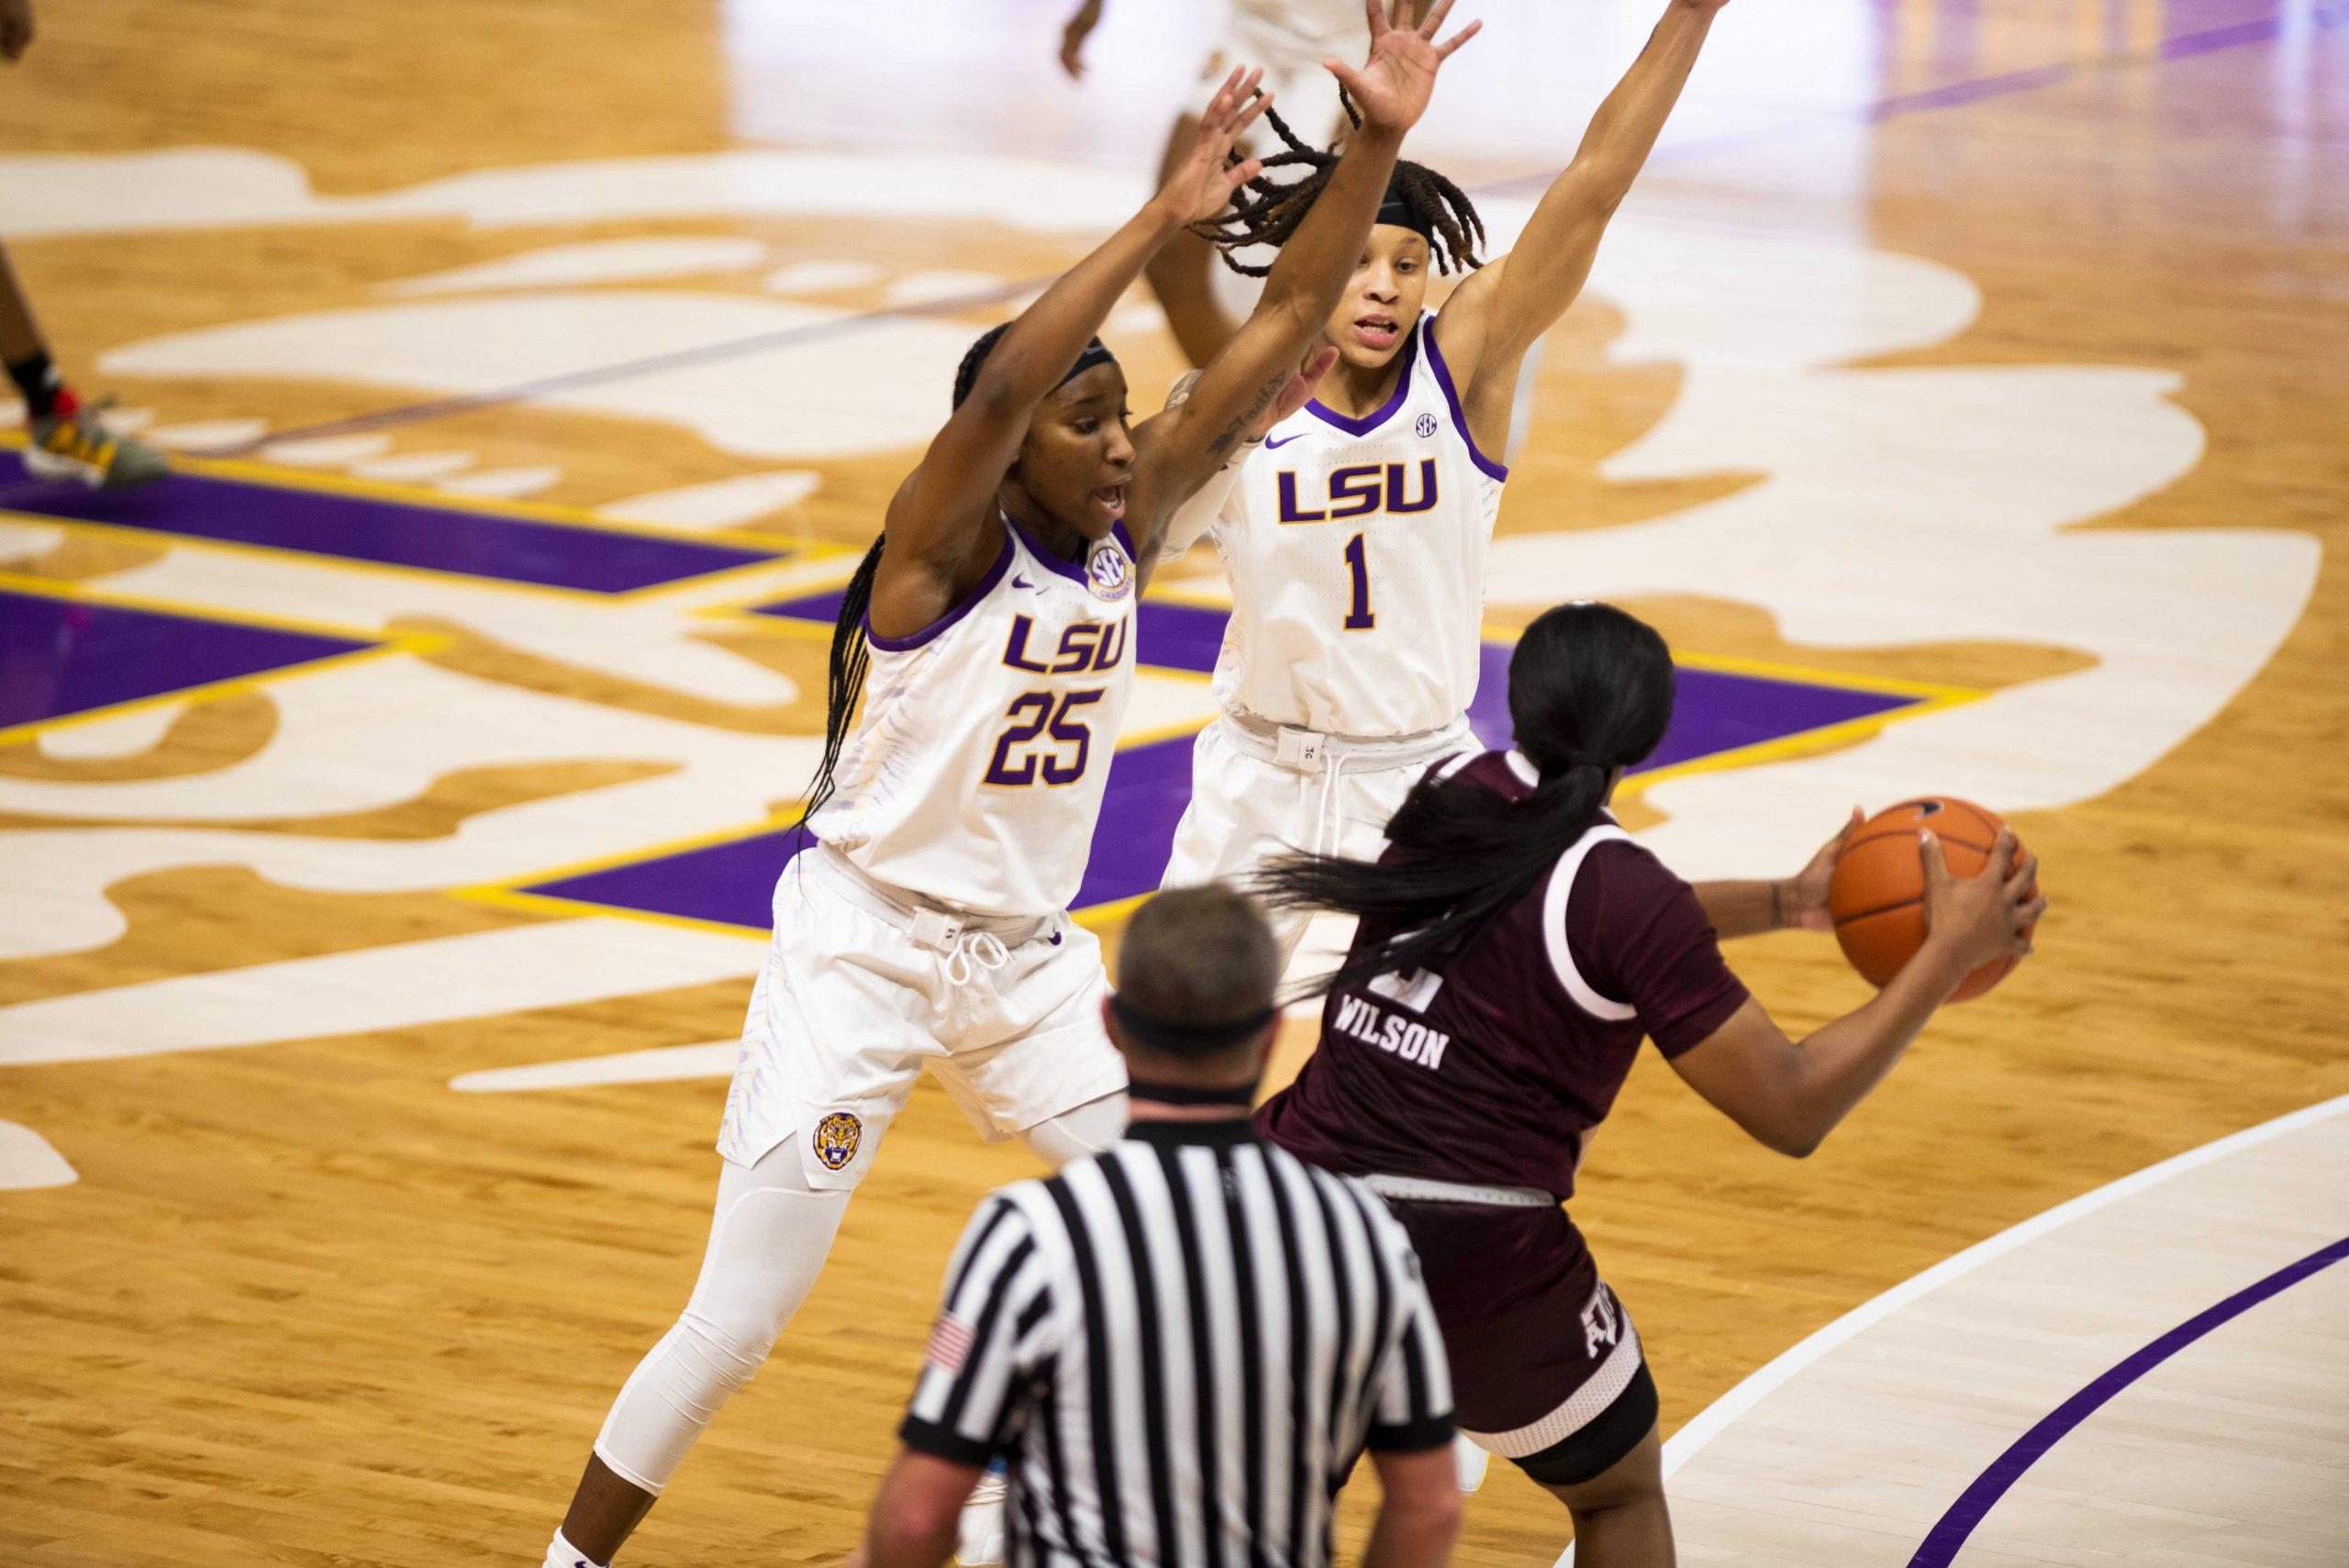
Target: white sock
[{"x": 560, "y": 1554}]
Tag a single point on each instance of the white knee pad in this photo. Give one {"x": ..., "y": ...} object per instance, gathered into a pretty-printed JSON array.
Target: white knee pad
[
  {"x": 767, "y": 1243},
  {"x": 1086, "y": 1129}
]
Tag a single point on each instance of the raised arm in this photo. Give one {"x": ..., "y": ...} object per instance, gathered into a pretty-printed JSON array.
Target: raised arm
[
  {"x": 941, "y": 522},
  {"x": 1177, "y": 450},
  {"x": 1496, "y": 313}
]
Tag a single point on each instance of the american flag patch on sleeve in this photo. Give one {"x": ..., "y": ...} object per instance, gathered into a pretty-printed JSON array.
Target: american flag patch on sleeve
[{"x": 948, "y": 1343}]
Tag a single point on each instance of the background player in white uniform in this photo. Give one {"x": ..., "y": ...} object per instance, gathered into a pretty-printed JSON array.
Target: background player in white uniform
[
  {"x": 927, "y": 926},
  {"x": 1355, "y": 536},
  {"x": 1289, "y": 39}
]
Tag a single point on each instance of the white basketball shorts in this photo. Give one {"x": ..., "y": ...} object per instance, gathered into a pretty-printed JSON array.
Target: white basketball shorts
[
  {"x": 852, "y": 1005},
  {"x": 1248, "y": 805},
  {"x": 1290, "y": 39}
]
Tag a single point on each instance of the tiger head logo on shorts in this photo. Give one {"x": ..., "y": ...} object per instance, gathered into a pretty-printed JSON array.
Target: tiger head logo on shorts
[{"x": 837, "y": 1137}]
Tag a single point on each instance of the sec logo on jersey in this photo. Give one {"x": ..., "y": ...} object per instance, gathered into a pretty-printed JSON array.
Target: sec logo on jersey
[
  {"x": 1109, "y": 572},
  {"x": 1426, "y": 425},
  {"x": 836, "y": 1137}
]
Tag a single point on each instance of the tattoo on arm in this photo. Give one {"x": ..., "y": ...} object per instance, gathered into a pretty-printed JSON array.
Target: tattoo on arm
[
  {"x": 1239, "y": 427},
  {"x": 1180, "y": 393}
]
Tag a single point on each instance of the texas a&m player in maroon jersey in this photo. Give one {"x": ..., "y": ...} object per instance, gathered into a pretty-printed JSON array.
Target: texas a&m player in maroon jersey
[{"x": 1514, "y": 947}]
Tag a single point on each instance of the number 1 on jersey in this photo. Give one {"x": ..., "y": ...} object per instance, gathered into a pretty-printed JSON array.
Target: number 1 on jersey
[{"x": 1360, "y": 617}]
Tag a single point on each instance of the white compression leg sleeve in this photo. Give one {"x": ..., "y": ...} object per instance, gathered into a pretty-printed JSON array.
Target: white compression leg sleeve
[
  {"x": 768, "y": 1238},
  {"x": 1084, "y": 1129}
]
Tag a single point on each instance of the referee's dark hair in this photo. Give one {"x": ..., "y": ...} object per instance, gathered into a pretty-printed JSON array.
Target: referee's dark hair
[{"x": 1199, "y": 962}]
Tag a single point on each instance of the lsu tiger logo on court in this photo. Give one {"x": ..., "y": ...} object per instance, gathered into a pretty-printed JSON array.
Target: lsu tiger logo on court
[
  {"x": 1359, "y": 490},
  {"x": 836, "y": 1137}
]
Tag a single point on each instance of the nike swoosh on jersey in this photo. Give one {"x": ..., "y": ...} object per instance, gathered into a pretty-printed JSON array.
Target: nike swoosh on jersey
[
  {"x": 1020, "y": 581},
  {"x": 1284, "y": 440}
]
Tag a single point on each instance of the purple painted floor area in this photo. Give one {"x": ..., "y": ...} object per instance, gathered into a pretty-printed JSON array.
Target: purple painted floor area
[
  {"x": 1150, "y": 786},
  {"x": 393, "y": 533},
  {"x": 62, "y": 656}
]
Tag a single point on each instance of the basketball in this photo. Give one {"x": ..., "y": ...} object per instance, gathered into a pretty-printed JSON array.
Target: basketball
[{"x": 1877, "y": 896}]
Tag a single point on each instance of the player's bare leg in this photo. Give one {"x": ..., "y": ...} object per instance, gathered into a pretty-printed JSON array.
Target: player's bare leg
[
  {"x": 19, "y": 333},
  {"x": 605, "y": 1511},
  {"x": 1181, "y": 274},
  {"x": 1621, "y": 1520}
]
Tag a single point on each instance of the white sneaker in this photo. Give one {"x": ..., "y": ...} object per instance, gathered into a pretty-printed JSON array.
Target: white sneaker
[
  {"x": 978, "y": 1537},
  {"x": 1471, "y": 1461}
]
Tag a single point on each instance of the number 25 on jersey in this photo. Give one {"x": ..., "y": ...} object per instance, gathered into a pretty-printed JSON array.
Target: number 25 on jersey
[{"x": 1020, "y": 763}]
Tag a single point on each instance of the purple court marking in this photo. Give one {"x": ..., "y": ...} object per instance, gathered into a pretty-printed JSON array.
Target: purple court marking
[
  {"x": 732, "y": 882},
  {"x": 65, "y": 656},
  {"x": 1711, "y": 718},
  {"x": 393, "y": 533},
  {"x": 1149, "y": 785},
  {"x": 1948, "y": 1536},
  {"x": 1714, "y": 712}
]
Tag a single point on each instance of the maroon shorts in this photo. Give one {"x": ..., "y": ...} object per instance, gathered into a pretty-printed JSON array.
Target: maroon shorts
[{"x": 1539, "y": 1347}]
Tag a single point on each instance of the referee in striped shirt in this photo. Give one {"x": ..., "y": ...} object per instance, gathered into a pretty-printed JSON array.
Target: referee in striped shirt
[{"x": 1182, "y": 1345}]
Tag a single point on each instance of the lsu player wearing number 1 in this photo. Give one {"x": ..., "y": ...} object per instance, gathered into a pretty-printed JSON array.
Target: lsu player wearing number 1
[
  {"x": 1354, "y": 535},
  {"x": 926, "y": 926}
]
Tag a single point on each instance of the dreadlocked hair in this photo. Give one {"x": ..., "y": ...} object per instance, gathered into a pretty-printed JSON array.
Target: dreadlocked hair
[
  {"x": 852, "y": 655},
  {"x": 844, "y": 677},
  {"x": 1266, "y": 211},
  {"x": 1590, "y": 690}
]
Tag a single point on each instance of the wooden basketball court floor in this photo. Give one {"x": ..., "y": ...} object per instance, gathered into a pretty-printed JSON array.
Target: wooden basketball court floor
[{"x": 385, "y": 804}]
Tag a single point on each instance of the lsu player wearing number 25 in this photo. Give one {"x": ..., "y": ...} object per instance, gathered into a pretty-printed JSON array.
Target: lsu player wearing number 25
[
  {"x": 925, "y": 926},
  {"x": 1354, "y": 535}
]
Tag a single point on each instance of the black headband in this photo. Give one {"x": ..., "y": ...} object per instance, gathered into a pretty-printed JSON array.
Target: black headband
[
  {"x": 1095, "y": 354},
  {"x": 1186, "y": 1040},
  {"x": 1394, "y": 209},
  {"x": 1241, "y": 1095}
]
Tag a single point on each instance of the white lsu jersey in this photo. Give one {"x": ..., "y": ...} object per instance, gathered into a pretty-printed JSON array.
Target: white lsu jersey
[
  {"x": 1356, "y": 552},
  {"x": 977, "y": 774}
]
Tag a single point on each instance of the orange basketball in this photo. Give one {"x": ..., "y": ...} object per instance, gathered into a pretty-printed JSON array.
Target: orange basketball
[{"x": 1877, "y": 896}]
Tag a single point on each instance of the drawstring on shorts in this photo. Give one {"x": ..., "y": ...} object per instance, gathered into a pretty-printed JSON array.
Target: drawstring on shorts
[{"x": 972, "y": 952}]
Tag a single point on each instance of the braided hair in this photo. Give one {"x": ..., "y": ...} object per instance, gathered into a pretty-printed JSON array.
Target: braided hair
[
  {"x": 1266, "y": 211},
  {"x": 852, "y": 655},
  {"x": 1590, "y": 691}
]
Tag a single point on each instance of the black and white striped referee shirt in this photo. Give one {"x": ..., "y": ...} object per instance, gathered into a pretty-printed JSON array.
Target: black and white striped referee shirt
[{"x": 1182, "y": 1345}]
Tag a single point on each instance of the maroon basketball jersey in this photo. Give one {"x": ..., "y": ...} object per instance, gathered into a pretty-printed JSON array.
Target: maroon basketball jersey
[{"x": 1489, "y": 1065}]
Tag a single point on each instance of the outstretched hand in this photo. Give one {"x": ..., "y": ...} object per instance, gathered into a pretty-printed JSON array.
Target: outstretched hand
[
  {"x": 1989, "y": 915},
  {"x": 1079, "y": 28},
  {"x": 1802, "y": 898},
  {"x": 15, "y": 29},
  {"x": 1202, "y": 184},
  {"x": 1394, "y": 84}
]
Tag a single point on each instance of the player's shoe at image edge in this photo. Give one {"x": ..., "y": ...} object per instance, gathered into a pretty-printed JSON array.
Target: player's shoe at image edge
[
  {"x": 73, "y": 443},
  {"x": 978, "y": 1537},
  {"x": 1470, "y": 1462}
]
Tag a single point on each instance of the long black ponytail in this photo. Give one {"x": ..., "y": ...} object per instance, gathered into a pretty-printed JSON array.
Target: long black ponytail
[
  {"x": 852, "y": 655},
  {"x": 1590, "y": 690}
]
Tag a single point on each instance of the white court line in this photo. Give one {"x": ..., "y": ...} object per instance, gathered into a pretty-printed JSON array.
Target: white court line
[
  {"x": 712, "y": 1059},
  {"x": 1716, "y": 1418},
  {"x": 405, "y": 986}
]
